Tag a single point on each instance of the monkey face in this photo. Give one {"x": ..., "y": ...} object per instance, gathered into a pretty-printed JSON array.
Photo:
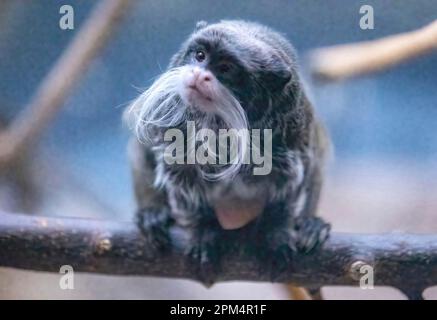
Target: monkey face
[
  {"x": 252, "y": 69},
  {"x": 225, "y": 76},
  {"x": 229, "y": 75}
]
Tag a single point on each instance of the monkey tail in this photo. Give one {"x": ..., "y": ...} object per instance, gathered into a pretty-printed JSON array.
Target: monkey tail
[{"x": 299, "y": 293}]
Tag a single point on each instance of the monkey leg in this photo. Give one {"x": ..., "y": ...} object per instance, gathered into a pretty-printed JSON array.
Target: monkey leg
[
  {"x": 154, "y": 224},
  {"x": 205, "y": 251},
  {"x": 277, "y": 247},
  {"x": 153, "y": 215},
  {"x": 312, "y": 232}
]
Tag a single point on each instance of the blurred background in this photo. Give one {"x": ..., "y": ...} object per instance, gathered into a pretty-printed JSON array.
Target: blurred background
[{"x": 382, "y": 178}]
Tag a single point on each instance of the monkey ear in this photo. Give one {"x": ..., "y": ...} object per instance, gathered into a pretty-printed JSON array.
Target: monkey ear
[
  {"x": 200, "y": 25},
  {"x": 280, "y": 78},
  {"x": 276, "y": 75}
]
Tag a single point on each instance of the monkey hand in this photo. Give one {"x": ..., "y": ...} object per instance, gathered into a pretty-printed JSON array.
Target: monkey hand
[
  {"x": 154, "y": 223},
  {"x": 281, "y": 246},
  {"x": 204, "y": 255},
  {"x": 312, "y": 232}
]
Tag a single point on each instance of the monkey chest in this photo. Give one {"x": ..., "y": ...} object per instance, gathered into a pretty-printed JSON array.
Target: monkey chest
[{"x": 236, "y": 203}]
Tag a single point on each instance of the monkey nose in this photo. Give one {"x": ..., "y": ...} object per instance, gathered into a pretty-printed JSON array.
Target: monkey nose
[
  {"x": 196, "y": 71},
  {"x": 204, "y": 77},
  {"x": 201, "y": 75}
]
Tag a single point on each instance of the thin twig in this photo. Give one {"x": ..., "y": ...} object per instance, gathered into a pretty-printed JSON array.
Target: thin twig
[
  {"x": 343, "y": 61},
  {"x": 26, "y": 129},
  {"x": 404, "y": 261}
]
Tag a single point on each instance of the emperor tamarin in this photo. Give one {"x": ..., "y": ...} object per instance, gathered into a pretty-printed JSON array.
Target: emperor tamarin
[{"x": 230, "y": 75}]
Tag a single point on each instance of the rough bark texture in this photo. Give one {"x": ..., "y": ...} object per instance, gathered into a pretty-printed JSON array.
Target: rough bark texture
[{"x": 405, "y": 261}]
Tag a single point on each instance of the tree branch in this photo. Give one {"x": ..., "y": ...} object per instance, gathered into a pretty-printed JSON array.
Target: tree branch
[
  {"x": 343, "y": 61},
  {"x": 405, "y": 261}
]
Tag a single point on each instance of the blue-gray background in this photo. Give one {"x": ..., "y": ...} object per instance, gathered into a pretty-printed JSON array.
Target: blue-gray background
[{"x": 388, "y": 117}]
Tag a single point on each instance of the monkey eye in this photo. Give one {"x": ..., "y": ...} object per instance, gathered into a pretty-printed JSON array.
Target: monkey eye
[
  {"x": 224, "y": 67},
  {"x": 200, "y": 55}
]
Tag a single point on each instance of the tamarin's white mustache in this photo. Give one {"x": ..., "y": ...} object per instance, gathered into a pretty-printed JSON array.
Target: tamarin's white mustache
[{"x": 161, "y": 106}]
